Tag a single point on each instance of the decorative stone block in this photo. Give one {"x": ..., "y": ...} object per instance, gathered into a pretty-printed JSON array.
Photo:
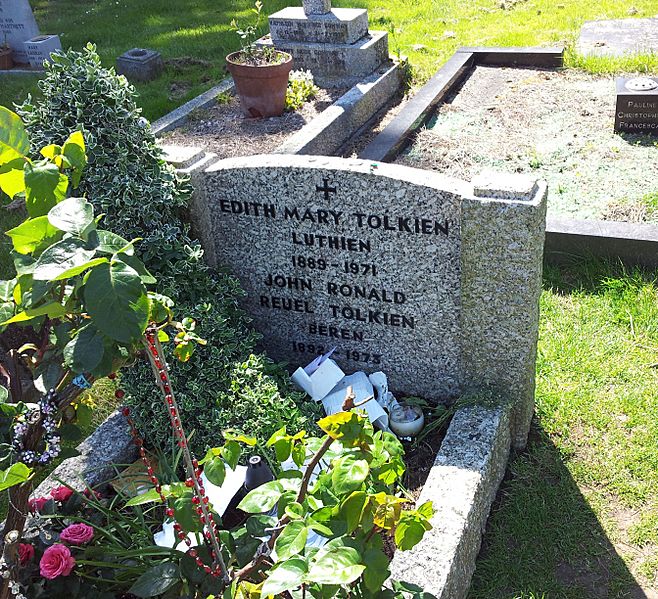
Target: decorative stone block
[
  {"x": 38, "y": 49},
  {"x": 317, "y": 7},
  {"x": 337, "y": 65},
  {"x": 637, "y": 105},
  {"x": 340, "y": 26},
  {"x": 140, "y": 64},
  {"x": 17, "y": 25}
]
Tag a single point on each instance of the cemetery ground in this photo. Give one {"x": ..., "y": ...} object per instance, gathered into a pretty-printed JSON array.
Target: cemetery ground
[
  {"x": 194, "y": 37},
  {"x": 576, "y": 515}
]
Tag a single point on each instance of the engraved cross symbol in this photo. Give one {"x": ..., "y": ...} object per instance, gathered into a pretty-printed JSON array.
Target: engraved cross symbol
[{"x": 325, "y": 189}]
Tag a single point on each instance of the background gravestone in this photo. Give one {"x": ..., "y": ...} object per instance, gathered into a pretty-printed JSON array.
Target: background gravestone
[
  {"x": 637, "y": 105},
  {"x": 432, "y": 280},
  {"x": 17, "y": 25}
]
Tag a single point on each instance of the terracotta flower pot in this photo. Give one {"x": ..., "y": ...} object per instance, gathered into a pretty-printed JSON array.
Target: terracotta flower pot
[
  {"x": 6, "y": 61},
  {"x": 261, "y": 89}
]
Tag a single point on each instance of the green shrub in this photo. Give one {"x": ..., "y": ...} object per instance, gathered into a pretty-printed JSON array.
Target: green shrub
[
  {"x": 141, "y": 195},
  {"x": 301, "y": 89}
]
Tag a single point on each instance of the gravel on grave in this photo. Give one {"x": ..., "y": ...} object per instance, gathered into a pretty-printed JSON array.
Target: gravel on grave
[
  {"x": 554, "y": 125},
  {"x": 224, "y": 130}
]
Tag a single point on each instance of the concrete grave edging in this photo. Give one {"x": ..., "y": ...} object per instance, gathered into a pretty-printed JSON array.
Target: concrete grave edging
[
  {"x": 326, "y": 133},
  {"x": 462, "y": 485}
]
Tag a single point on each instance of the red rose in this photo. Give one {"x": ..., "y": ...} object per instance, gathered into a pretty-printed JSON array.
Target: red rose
[
  {"x": 77, "y": 534},
  {"x": 88, "y": 494},
  {"x": 56, "y": 561},
  {"x": 25, "y": 553},
  {"x": 61, "y": 494},
  {"x": 36, "y": 505}
]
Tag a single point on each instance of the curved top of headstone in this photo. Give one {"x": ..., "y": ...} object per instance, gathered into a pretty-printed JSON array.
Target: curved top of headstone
[
  {"x": 386, "y": 170},
  {"x": 317, "y": 7}
]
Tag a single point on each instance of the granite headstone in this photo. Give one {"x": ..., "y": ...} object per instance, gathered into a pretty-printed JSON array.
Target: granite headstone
[
  {"x": 637, "y": 105},
  {"x": 432, "y": 280},
  {"x": 17, "y": 25}
]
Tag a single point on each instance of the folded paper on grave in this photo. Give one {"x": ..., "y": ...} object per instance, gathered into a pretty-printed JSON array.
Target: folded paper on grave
[
  {"x": 362, "y": 389},
  {"x": 219, "y": 498},
  {"x": 319, "y": 377}
]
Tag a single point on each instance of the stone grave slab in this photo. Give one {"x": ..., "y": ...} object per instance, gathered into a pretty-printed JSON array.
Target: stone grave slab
[
  {"x": 17, "y": 25},
  {"x": 617, "y": 37},
  {"x": 432, "y": 280},
  {"x": 38, "y": 49},
  {"x": 339, "y": 26},
  {"x": 637, "y": 105}
]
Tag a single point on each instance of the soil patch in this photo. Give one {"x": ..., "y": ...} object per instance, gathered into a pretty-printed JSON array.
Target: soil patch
[
  {"x": 554, "y": 125},
  {"x": 224, "y": 130}
]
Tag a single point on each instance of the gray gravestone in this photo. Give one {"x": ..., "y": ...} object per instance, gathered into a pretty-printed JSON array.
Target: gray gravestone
[
  {"x": 432, "y": 280},
  {"x": 38, "y": 49},
  {"x": 637, "y": 105},
  {"x": 17, "y": 25},
  {"x": 618, "y": 37},
  {"x": 140, "y": 64},
  {"x": 317, "y": 7}
]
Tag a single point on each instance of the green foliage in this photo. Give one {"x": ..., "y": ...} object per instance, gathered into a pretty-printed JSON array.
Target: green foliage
[
  {"x": 222, "y": 385},
  {"x": 346, "y": 502},
  {"x": 301, "y": 89}
]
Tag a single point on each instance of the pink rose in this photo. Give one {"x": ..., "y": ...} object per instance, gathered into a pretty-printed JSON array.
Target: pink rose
[
  {"x": 56, "y": 561},
  {"x": 77, "y": 534},
  {"x": 61, "y": 494},
  {"x": 36, "y": 505},
  {"x": 25, "y": 553}
]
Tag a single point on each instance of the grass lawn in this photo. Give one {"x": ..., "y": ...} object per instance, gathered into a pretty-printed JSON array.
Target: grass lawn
[
  {"x": 577, "y": 516},
  {"x": 194, "y": 37}
]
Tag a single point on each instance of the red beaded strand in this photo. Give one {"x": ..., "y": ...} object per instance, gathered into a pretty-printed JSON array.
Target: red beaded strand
[{"x": 194, "y": 481}]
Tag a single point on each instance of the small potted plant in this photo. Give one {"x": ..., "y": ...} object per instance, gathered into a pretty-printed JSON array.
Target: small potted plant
[
  {"x": 260, "y": 73},
  {"x": 6, "y": 61}
]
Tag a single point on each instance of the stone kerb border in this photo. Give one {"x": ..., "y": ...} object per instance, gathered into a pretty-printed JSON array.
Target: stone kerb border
[
  {"x": 326, "y": 133},
  {"x": 565, "y": 238},
  {"x": 462, "y": 485}
]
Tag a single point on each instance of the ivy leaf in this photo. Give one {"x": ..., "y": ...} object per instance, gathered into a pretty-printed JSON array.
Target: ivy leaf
[
  {"x": 85, "y": 351},
  {"x": 137, "y": 265},
  {"x": 14, "y": 142},
  {"x": 4, "y": 394},
  {"x": 60, "y": 258},
  {"x": 387, "y": 509},
  {"x": 348, "y": 474},
  {"x": 156, "y": 580},
  {"x": 292, "y": 540},
  {"x": 6, "y": 312},
  {"x": 16, "y": 474},
  {"x": 231, "y": 453},
  {"x": 336, "y": 565},
  {"x": 348, "y": 427},
  {"x": 73, "y": 215},
  {"x": 111, "y": 243},
  {"x": 408, "y": 532},
  {"x": 352, "y": 508},
  {"x": 215, "y": 471},
  {"x": 116, "y": 300},
  {"x": 52, "y": 310},
  {"x": 45, "y": 186},
  {"x": 74, "y": 150},
  {"x": 185, "y": 513},
  {"x": 376, "y": 571},
  {"x": 262, "y": 499},
  {"x": 76, "y": 270},
  {"x": 32, "y": 233},
  {"x": 12, "y": 177},
  {"x": 284, "y": 577}
]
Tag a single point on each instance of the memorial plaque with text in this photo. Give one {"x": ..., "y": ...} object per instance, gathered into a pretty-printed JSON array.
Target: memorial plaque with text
[
  {"x": 432, "y": 280},
  {"x": 637, "y": 106},
  {"x": 17, "y": 25}
]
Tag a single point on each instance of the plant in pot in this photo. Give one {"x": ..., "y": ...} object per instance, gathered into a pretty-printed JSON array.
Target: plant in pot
[
  {"x": 6, "y": 61},
  {"x": 260, "y": 72}
]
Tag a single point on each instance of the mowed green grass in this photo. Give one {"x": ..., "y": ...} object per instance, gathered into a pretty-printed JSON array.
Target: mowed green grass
[
  {"x": 577, "y": 516},
  {"x": 194, "y": 36}
]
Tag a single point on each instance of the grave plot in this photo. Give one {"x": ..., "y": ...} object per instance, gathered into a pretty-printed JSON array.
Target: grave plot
[
  {"x": 223, "y": 130},
  {"x": 553, "y": 125}
]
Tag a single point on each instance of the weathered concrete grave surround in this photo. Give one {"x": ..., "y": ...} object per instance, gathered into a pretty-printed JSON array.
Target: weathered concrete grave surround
[
  {"x": 17, "y": 25},
  {"x": 334, "y": 44},
  {"x": 433, "y": 280}
]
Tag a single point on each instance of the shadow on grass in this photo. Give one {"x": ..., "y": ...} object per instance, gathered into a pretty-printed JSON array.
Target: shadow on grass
[{"x": 543, "y": 540}]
